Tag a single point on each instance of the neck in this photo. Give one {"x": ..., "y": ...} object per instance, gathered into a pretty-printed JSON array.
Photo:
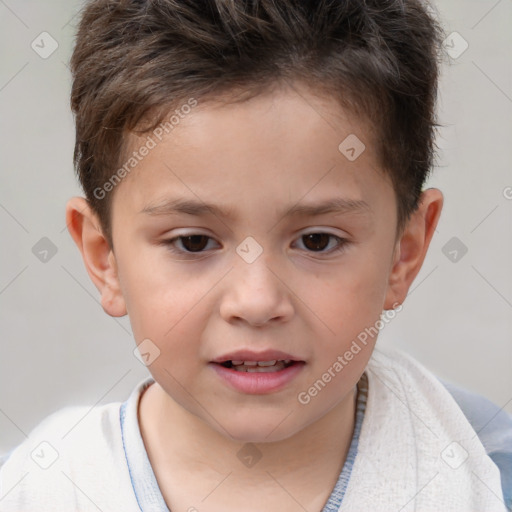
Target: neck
[{"x": 175, "y": 438}]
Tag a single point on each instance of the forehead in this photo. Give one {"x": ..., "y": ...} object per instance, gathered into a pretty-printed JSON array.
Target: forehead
[{"x": 280, "y": 146}]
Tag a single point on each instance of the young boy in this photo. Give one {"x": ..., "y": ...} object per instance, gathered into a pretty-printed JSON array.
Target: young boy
[{"x": 254, "y": 174}]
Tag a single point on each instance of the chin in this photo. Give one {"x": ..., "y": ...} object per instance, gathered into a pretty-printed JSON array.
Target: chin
[{"x": 260, "y": 431}]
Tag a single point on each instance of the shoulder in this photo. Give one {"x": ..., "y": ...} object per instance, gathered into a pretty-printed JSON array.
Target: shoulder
[
  {"x": 489, "y": 424},
  {"x": 57, "y": 464},
  {"x": 66, "y": 427},
  {"x": 493, "y": 426}
]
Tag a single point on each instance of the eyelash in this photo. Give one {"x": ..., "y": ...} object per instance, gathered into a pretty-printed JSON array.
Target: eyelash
[{"x": 342, "y": 243}]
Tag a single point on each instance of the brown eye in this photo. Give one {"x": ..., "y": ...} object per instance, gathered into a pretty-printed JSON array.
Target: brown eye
[
  {"x": 190, "y": 244},
  {"x": 318, "y": 242},
  {"x": 194, "y": 243}
]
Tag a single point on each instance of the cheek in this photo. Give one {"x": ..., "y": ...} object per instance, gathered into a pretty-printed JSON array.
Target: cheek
[
  {"x": 171, "y": 311},
  {"x": 163, "y": 313},
  {"x": 348, "y": 298},
  {"x": 159, "y": 302}
]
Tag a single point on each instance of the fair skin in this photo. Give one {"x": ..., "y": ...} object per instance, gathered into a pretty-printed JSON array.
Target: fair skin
[{"x": 300, "y": 296}]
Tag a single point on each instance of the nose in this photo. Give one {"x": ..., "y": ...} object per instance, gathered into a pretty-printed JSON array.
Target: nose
[{"x": 256, "y": 294}]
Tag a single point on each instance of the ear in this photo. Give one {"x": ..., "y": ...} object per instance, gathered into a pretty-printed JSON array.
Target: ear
[
  {"x": 412, "y": 246},
  {"x": 100, "y": 262}
]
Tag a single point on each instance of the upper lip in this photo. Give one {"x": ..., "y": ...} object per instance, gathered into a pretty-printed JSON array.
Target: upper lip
[{"x": 250, "y": 355}]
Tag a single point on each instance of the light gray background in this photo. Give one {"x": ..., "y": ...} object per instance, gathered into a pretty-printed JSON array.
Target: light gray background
[{"x": 59, "y": 347}]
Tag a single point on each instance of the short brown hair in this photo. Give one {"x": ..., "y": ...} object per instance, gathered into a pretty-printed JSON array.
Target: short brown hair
[{"x": 134, "y": 61}]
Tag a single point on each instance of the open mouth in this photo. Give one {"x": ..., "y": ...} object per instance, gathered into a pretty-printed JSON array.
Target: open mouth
[{"x": 258, "y": 366}]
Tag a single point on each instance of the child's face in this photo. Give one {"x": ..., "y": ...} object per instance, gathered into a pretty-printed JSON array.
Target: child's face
[{"x": 299, "y": 296}]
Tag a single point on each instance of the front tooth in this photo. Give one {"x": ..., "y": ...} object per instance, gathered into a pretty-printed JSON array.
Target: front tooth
[
  {"x": 250, "y": 363},
  {"x": 266, "y": 363},
  {"x": 266, "y": 369}
]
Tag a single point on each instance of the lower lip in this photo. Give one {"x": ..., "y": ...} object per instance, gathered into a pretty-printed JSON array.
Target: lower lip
[{"x": 258, "y": 383}]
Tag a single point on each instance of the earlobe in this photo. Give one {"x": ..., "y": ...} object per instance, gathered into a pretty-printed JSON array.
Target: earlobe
[
  {"x": 412, "y": 247},
  {"x": 99, "y": 259}
]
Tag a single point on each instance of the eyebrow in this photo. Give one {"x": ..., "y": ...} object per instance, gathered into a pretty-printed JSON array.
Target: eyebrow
[{"x": 336, "y": 205}]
